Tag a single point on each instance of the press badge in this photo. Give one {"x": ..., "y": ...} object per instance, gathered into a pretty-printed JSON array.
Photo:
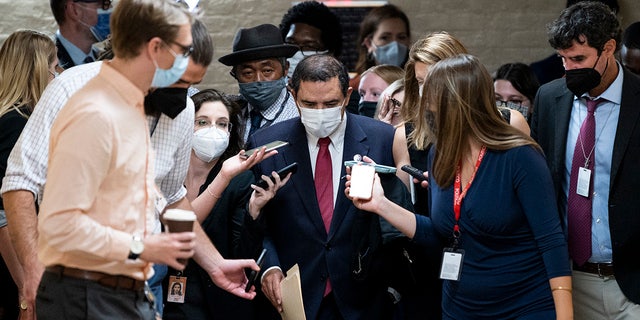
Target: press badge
[
  {"x": 451, "y": 264},
  {"x": 177, "y": 289},
  {"x": 584, "y": 181}
]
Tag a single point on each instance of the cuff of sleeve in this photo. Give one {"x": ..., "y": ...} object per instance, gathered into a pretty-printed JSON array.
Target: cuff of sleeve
[
  {"x": 121, "y": 246},
  {"x": 269, "y": 269}
]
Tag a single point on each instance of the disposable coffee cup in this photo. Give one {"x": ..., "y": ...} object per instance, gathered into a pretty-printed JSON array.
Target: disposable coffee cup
[{"x": 178, "y": 220}]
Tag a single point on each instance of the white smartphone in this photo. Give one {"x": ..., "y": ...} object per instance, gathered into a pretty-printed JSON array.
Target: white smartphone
[
  {"x": 362, "y": 181},
  {"x": 270, "y": 146}
]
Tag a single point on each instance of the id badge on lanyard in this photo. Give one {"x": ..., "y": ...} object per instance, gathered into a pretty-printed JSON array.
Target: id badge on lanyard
[{"x": 452, "y": 257}]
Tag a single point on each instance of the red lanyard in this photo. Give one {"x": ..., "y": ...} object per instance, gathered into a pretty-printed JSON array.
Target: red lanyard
[{"x": 458, "y": 195}]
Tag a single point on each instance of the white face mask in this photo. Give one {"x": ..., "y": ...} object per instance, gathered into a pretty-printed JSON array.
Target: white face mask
[
  {"x": 210, "y": 143},
  {"x": 293, "y": 61},
  {"x": 321, "y": 123}
]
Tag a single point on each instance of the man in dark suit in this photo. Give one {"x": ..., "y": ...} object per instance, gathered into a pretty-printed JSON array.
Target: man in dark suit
[
  {"x": 311, "y": 226},
  {"x": 81, "y": 23},
  {"x": 604, "y": 245}
]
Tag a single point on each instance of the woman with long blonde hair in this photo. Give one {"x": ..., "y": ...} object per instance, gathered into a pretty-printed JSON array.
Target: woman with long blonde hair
[
  {"x": 27, "y": 64},
  {"x": 493, "y": 213}
]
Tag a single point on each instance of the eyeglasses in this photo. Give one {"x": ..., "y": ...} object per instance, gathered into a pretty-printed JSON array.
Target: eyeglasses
[
  {"x": 106, "y": 4},
  {"x": 222, "y": 125},
  {"x": 186, "y": 50},
  {"x": 395, "y": 102}
]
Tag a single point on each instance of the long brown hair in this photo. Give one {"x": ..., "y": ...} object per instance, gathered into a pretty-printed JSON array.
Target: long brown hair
[
  {"x": 460, "y": 92},
  {"x": 428, "y": 50},
  {"x": 368, "y": 27}
]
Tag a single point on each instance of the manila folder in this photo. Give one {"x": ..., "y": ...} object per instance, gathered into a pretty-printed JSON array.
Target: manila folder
[{"x": 292, "y": 305}]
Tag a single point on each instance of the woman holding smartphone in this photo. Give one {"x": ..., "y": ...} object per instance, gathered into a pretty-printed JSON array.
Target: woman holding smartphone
[{"x": 493, "y": 212}]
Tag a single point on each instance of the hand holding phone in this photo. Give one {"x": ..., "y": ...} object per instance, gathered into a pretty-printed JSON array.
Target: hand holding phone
[
  {"x": 362, "y": 176},
  {"x": 253, "y": 276},
  {"x": 414, "y": 172},
  {"x": 282, "y": 173}
]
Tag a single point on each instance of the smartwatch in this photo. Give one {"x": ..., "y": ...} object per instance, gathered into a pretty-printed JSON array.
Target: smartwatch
[{"x": 137, "y": 246}]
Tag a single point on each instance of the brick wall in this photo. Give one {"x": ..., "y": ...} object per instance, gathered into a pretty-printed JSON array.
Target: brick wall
[{"x": 498, "y": 31}]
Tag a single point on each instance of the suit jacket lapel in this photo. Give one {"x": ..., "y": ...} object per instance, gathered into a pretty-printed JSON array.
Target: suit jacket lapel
[
  {"x": 629, "y": 117},
  {"x": 354, "y": 143},
  {"x": 564, "y": 103},
  {"x": 64, "y": 59},
  {"x": 303, "y": 180}
]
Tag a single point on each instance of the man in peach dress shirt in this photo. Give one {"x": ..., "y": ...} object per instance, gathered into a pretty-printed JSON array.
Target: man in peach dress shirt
[{"x": 96, "y": 215}]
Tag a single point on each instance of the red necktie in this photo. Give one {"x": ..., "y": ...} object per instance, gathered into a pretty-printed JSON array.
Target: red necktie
[
  {"x": 579, "y": 207},
  {"x": 323, "y": 181}
]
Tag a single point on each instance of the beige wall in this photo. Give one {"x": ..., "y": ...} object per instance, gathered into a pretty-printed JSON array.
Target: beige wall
[{"x": 498, "y": 31}]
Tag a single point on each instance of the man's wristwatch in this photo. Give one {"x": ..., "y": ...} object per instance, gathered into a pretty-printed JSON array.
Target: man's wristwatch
[{"x": 137, "y": 246}]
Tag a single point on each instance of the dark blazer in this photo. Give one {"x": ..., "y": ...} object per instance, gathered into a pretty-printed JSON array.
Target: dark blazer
[
  {"x": 549, "y": 127},
  {"x": 64, "y": 59},
  {"x": 295, "y": 232}
]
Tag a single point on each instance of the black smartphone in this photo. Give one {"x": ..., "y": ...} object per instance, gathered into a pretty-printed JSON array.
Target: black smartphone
[
  {"x": 282, "y": 173},
  {"x": 253, "y": 276},
  {"x": 414, "y": 172},
  {"x": 270, "y": 146}
]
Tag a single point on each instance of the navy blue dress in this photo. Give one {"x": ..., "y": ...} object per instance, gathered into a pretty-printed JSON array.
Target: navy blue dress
[{"x": 511, "y": 234}]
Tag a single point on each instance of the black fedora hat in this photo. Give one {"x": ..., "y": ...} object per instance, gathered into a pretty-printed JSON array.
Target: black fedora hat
[{"x": 263, "y": 41}]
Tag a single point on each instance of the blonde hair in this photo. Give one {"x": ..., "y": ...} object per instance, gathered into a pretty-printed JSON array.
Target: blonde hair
[
  {"x": 386, "y": 72},
  {"x": 135, "y": 22},
  {"x": 432, "y": 48},
  {"x": 24, "y": 70},
  {"x": 460, "y": 90}
]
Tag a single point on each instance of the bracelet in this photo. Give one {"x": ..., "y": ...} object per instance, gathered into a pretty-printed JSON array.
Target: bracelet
[
  {"x": 211, "y": 193},
  {"x": 561, "y": 288}
]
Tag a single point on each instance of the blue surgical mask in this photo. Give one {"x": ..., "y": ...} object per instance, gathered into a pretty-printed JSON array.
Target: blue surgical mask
[
  {"x": 101, "y": 30},
  {"x": 262, "y": 94},
  {"x": 164, "y": 78},
  {"x": 393, "y": 53}
]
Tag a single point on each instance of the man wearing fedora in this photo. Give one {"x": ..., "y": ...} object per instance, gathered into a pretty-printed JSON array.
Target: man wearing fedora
[{"x": 259, "y": 64}]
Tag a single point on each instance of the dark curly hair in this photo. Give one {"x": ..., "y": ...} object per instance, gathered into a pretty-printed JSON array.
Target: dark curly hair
[
  {"x": 315, "y": 14},
  {"x": 592, "y": 20}
]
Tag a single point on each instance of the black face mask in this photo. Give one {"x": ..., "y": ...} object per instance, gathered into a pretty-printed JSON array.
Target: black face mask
[
  {"x": 170, "y": 101},
  {"x": 367, "y": 108},
  {"x": 583, "y": 80}
]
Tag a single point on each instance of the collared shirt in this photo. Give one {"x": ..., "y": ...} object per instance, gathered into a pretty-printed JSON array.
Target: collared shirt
[
  {"x": 100, "y": 190},
  {"x": 77, "y": 55},
  {"x": 336, "y": 151},
  {"x": 279, "y": 111},
  {"x": 606, "y": 115},
  {"x": 27, "y": 164}
]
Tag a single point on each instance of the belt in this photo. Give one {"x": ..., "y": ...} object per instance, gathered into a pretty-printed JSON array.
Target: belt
[
  {"x": 107, "y": 280},
  {"x": 601, "y": 269}
]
